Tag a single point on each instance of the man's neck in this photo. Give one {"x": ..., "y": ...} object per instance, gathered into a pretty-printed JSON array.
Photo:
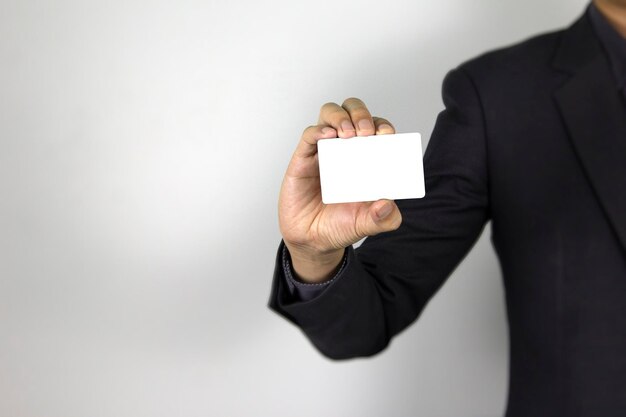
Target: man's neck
[{"x": 615, "y": 13}]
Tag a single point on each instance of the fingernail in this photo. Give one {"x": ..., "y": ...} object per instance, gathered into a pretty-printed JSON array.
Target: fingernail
[
  {"x": 346, "y": 126},
  {"x": 384, "y": 211},
  {"x": 365, "y": 124},
  {"x": 385, "y": 126}
]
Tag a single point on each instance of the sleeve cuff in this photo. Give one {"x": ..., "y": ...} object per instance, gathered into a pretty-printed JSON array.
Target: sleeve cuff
[{"x": 304, "y": 291}]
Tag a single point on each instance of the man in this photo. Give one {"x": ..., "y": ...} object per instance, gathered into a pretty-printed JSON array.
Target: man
[{"x": 533, "y": 138}]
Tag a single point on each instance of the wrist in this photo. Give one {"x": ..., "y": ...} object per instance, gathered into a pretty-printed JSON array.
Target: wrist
[
  {"x": 314, "y": 267},
  {"x": 314, "y": 257}
]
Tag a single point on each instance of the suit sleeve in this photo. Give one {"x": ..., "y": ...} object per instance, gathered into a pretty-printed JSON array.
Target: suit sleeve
[{"x": 387, "y": 281}]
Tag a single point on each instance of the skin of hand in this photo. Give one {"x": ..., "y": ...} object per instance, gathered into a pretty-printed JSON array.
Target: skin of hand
[
  {"x": 615, "y": 12},
  {"x": 316, "y": 234}
]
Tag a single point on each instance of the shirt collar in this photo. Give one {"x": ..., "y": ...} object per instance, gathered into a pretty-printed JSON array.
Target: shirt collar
[{"x": 613, "y": 43}]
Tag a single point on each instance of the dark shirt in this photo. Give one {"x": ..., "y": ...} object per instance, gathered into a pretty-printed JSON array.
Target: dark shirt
[{"x": 615, "y": 47}]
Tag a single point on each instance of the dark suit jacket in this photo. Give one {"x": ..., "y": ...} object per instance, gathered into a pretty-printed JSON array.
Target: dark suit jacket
[{"x": 533, "y": 138}]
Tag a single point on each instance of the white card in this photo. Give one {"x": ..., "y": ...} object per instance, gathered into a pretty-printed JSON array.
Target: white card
[{"x": 368, "y": 168}]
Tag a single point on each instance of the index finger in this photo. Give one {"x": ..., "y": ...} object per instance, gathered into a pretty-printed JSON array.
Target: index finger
[{"x": 307, "y": 147}]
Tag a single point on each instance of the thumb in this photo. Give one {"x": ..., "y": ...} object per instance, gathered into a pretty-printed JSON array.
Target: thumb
[{"x": 384, "y": 216}]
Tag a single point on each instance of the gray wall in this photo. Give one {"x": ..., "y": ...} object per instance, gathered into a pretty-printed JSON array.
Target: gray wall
[{"x": 142, "y": 146}]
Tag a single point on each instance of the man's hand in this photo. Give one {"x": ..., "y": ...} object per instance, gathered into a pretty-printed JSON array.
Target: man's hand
[{"x": 316, "y": 234}]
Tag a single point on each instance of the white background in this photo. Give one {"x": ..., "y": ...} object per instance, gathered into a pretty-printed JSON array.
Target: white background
[{"x": 142, "y": 147}]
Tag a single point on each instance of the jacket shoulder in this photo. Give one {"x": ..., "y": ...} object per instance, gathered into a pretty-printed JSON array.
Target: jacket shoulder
[{"x": 528, "y": 56}]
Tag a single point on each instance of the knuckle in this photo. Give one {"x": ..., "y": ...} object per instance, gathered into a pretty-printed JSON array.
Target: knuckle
[
  {"x": 357, "y": 109},
  {"x": 360, "y": 113},
  {"x": 309, "y": 129},
  {"x": 328, "y": 106},
  {"x": 359, "y": 227},
  {"x": 397, "y": 222},
  {"x": 332, "y": 111},
  {"x": 353, "y": 101}
]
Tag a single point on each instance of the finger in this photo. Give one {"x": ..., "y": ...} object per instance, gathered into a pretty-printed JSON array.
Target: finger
[
  {"x": 383, "y": 216},
  {"x": 360, "y": 116},
  {"x": 307, "y": 146},
  {"x": 383, "y": 127},
  {"x": 335, "y": 116}
]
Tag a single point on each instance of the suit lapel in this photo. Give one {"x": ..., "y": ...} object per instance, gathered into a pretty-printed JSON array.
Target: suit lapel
[{"x": 595, "y": 116}]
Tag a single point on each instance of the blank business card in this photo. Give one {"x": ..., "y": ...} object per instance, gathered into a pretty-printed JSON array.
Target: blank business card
[{"x": 368, "y": 168}]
